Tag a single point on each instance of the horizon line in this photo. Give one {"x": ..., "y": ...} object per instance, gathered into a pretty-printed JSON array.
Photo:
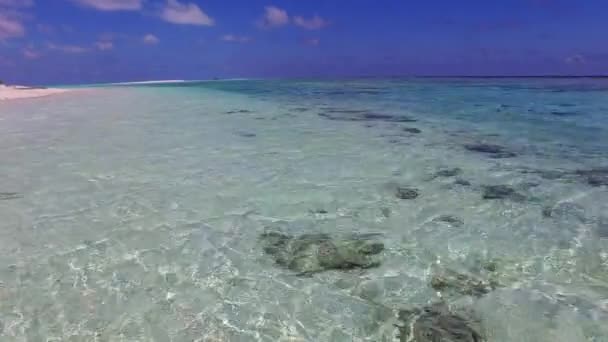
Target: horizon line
[{"x": 151, "y": 82}]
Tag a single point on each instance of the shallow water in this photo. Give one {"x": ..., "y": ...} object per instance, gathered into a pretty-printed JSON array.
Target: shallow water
[{"x": 134, "y": 213}]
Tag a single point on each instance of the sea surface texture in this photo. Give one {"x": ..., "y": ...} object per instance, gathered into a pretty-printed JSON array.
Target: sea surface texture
[{"x": 459, "y": 210}]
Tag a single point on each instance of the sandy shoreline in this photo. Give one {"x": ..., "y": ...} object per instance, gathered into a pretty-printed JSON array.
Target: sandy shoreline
[{"x": 18, "y": 92}]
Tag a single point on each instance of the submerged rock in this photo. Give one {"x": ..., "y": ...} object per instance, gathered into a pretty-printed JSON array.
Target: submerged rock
[
  {"x": 484, "y": 148},
  {"x": 462, "y": 182},
  {"x": 406, "y": 193},
  {"x": 436, "y": 323},
  {"x": 4, "y": 196},
  {"x": 596, "y": 176},
  {"x": 550, "y": 174},
  {"x": 343, "y": 110},
  {"x": 463, "y": 284},
  {"x": 597, "y": 180},
  {"x": 450, "y": 219},
  {"x": 319, "y": 211},
  {"x": 446, "y": 173},
  {"x": 493, "y": 151},
  {"x": 238, "y": 111},
  {"x": 602, "y": 227},
  {"x": 501, "y": 192},
  {"x": 246, "y": 134},
  {"x": 377, "y": 116},
  {"x": 565, "y": 211},
  {"x": 362, "y": 115},
  {"x": 412, "y": 130},
  {"x": 386, "y": 212},
  {"x": 311, "y": 253}
]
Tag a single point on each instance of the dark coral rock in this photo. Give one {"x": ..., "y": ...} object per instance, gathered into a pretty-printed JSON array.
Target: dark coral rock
[
  {"x": 319, "y": 211},
  {"x": 238, "y": 111},
  {"x": 369, "y": 91},
  {"x": 450, "y": 219},
  {"x": 501, "y": 107},
  {"x": 361, "y": 115},
  {"x": 311, "y": 253},
  {"x": 564, "y": 211},
  {"x": 503, "y": 155},
  {"x": 463, "y": 284},
  {"x": 602, "y": 227},
  {"x": 598, "y": 180},
  {"x": 274, "y": 242},
  {"x": 452, "y": 172},
  {"x": 493, "y": 151},
  {"x": 376, "y": 116},
  {"x": 462, "y": 182},
  {"x": 345, "y": 111},
  {"x": 593, "y": 171},
  {"x": 412, "y": 130},
  {"x": 501, "y": 192},
  {"x": 386, "y": 212},
  {"x": 246, "y": 134},
  {"x": 551, "y": 174},
  {"x": 435, "y": 323},
  {"x": 385, "y": 117},
  {"x": 484, "y": 148},
  {"x": 406, "y": 193},
  {"x": 596, "y": 176},
  {"x": 4, "y": 196},
  {"x": 528, "y": 185}
]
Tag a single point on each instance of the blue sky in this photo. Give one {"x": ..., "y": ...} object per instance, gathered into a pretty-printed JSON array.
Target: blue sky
[{"x": 86, "y": 41}]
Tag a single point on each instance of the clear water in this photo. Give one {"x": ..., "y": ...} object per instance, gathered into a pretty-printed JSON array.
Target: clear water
[{"x": 133, "y": 213}]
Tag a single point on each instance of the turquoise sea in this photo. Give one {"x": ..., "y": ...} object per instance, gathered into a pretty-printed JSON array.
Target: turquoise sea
[{"x": 137, "y": 213}]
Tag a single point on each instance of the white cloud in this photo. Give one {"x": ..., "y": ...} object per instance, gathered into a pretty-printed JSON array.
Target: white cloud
[
  {"x": 185, "y": 14},
  {"x": 11, "y": 18},
  {"x": 10, "y": 28},
  {"x": 150, "y": 39},
  {"x": 104, "y": 45},
  {"x": 30, "y": 53},
  {"x": 16, "y": 3},
  {"x": 273, "y": 17},
  {"x": 314, "y": 23},
  {"x": 111, "y": 5},
  {"x": 235, "y": 39},
  {"x": 74, "y": 49},
  {"x": 312, "y": 41},
  {"x": 576, "y": 59}
]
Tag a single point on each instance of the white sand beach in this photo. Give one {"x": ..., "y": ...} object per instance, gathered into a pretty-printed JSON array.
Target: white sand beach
[{"x": 20, "y": 92}]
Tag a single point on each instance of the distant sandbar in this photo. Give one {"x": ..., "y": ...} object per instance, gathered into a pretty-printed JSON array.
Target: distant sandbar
[
  {"x": 21, "y": 92},
  {"x": 148, "y": 82}
]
